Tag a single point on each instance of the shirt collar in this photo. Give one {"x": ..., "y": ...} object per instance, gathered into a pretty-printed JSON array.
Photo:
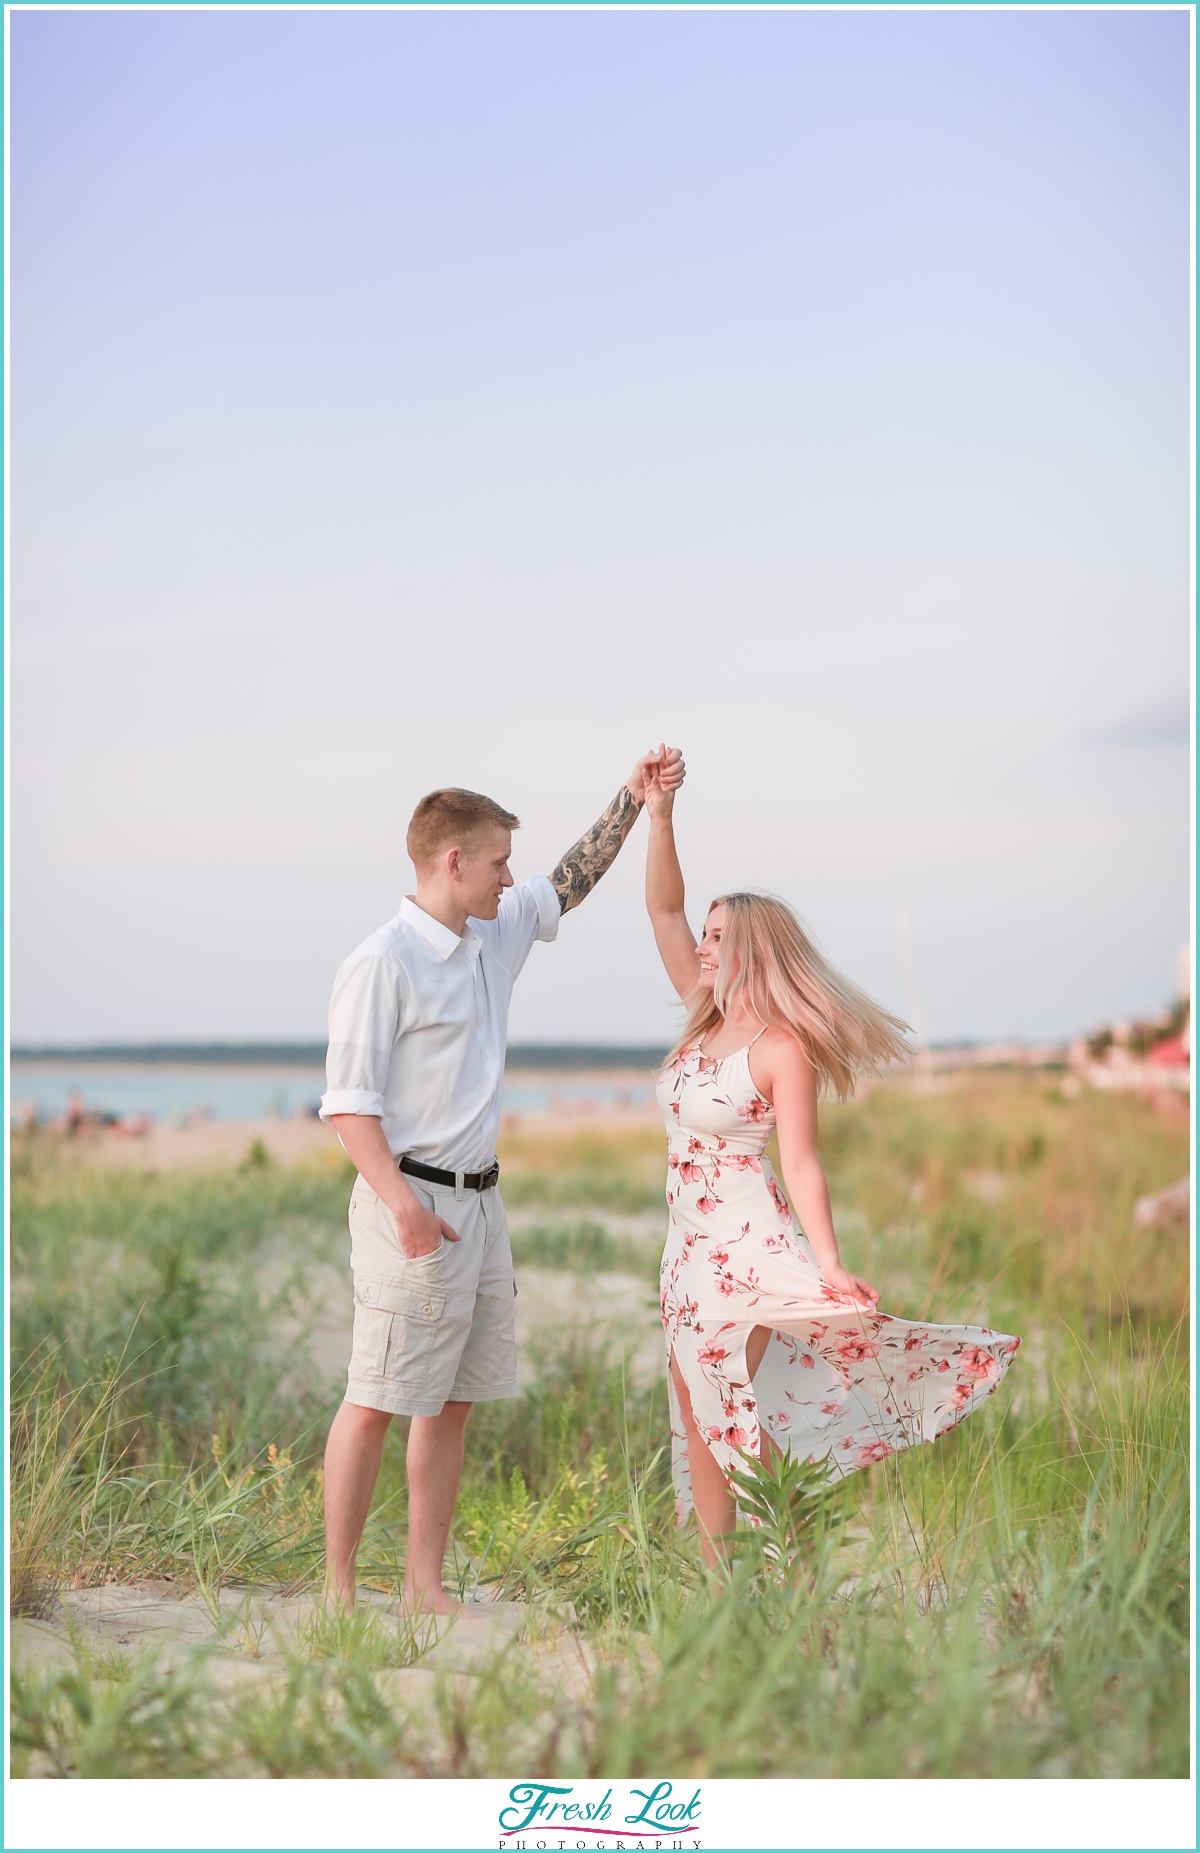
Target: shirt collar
[{"x": 443, "y": 941}]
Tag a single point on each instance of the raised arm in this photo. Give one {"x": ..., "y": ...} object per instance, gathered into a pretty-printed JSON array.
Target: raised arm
[
  {"x": 664, "y": 894},
  {"x": 585, "y": 862}
]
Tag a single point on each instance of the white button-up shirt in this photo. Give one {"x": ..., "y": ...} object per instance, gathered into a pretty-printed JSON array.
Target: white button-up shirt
[{"x": 419, "y": 1022}]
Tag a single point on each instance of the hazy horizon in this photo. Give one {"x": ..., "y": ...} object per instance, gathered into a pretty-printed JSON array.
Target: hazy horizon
[{"x": 401, "y": 399}]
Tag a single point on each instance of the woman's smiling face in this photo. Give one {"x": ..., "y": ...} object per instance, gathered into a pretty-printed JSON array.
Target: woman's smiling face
[{"x": 709, "y": 948}]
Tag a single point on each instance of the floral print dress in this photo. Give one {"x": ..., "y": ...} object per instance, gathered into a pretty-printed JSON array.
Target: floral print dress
[{"x": 836, "y": 1382}]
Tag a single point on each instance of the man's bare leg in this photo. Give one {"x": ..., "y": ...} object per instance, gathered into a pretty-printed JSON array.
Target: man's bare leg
[
  {"x": 352, "y": 1456},
  {"x": 435, "y": 1458}
]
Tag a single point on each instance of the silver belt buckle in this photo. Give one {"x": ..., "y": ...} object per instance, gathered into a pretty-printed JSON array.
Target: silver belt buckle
[{"x": 458, "y": 1185}]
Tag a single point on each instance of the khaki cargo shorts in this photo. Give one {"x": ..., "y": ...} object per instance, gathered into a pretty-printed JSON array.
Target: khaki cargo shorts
[{"x": 439, "y": 1329}]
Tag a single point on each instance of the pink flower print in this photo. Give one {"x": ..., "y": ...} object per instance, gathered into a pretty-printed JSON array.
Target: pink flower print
[
  {"x": 944, "y": 1365},
  {"x": 673, "y": 1160},
  {"x": 846, "y": 1442},
  {"x": 780, "y": 1199},
  {"x": 914, "y": 1341},
  {"x": 675, "y": 1108},
  {"x": 742, "y": 1161},
  {"x": 875, "y": 1451},
  {"x": 712, "y": 1353},
  {"x": 831, "y": 1409},
  {"x": 681, "y": 1060},
  {"x": 694, "y": 1146},
  {"x": 736, "y": 1437},
  {"x": 817, "y": 1329},
  {"x": 976, "y": 1362},
  {"x": 773, "y": 1243},
  {"x": 714, "y": 1433},
  {"x": 690, "y": 1173},
  {"x": 807, "y": 1361},
  {"x": 1014, "y": 1344},
  {"x": 706, "y": 1205},
  {"x": 755, "y": 1111},
  {"x": 962, "y": 1393},
  {"x": 670, "y": 1198},
  {"x": 725, "y": 1286},
  {"x": 719, "y": 1257},
  {"x": 854, "y": 1350}
]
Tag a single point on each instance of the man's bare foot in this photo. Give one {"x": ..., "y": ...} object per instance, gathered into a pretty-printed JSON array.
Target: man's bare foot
[{"x": 416, "y": 1604}]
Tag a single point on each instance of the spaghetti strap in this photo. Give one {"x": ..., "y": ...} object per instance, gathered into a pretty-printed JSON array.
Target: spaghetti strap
[{"x": 754, "y": 1039}]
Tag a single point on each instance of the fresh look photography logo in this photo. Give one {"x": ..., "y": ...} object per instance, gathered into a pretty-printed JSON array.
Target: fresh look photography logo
[{"x": 567, "y": 1814}]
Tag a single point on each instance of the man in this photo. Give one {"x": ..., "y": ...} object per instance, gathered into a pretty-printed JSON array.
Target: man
[{"x": 417, "y": 1032}]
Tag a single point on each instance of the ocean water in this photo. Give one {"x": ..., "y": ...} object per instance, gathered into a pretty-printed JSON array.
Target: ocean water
[{"x": 176, "y": 1093}]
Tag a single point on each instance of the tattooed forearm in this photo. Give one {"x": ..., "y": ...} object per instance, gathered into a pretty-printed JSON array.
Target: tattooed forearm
[{"x": 586, "y": 861}]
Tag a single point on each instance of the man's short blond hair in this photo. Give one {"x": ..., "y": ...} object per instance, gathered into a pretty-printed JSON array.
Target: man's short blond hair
[{"x": 453, "y": 818}]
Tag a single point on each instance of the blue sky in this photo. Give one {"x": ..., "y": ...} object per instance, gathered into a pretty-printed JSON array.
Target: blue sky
[{"x": 414, "y": 398}]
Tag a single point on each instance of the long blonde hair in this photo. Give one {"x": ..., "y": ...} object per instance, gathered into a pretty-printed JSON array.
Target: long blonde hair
[{"x": 767, "y": 960}]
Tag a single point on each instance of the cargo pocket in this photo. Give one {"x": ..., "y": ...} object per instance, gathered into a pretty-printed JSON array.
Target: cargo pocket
[{"x": 394, "y": 1333}]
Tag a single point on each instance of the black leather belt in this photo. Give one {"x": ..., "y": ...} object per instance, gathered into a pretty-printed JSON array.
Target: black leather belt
[{"x": 456, "y": 1181}]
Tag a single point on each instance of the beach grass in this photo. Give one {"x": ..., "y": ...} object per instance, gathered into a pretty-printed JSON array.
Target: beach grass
[{"x": 1011, "y": 1602}]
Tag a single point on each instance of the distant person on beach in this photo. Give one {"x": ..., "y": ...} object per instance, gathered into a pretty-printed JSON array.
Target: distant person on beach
[
  {"x": 772, "y": 1343},
  {"x": 417, "y": 1032}
]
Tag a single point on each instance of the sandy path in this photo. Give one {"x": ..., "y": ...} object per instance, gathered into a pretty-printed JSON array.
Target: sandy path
[
  {"x": 246, "y": 1641},
  {"x": 208, "y": 1145},
  {"x": 212, "y": 1143}
]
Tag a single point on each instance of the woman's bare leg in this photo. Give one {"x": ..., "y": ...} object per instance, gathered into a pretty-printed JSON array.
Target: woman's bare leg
[
  {"x": 756, "y": 1351},
  {"x": 716, "y": 1507}
]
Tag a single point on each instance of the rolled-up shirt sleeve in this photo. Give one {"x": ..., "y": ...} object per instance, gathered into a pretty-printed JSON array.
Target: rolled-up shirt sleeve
[
  {"x": 525, "y": 915},
  {"x": 549, "y": 907},
  {"x": 366, "y": 1013}
]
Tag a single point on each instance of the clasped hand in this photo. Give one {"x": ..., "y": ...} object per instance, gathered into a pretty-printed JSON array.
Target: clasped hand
[
  {"x": 657, "y": 777},
  {"x": 661, "y": 769}
]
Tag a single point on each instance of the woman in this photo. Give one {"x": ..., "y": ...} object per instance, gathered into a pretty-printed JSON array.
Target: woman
[{"x": 770, "y": 1340}]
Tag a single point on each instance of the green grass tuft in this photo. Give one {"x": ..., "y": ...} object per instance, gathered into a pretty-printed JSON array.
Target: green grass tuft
[{"x": 1012, "y": 1602}]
